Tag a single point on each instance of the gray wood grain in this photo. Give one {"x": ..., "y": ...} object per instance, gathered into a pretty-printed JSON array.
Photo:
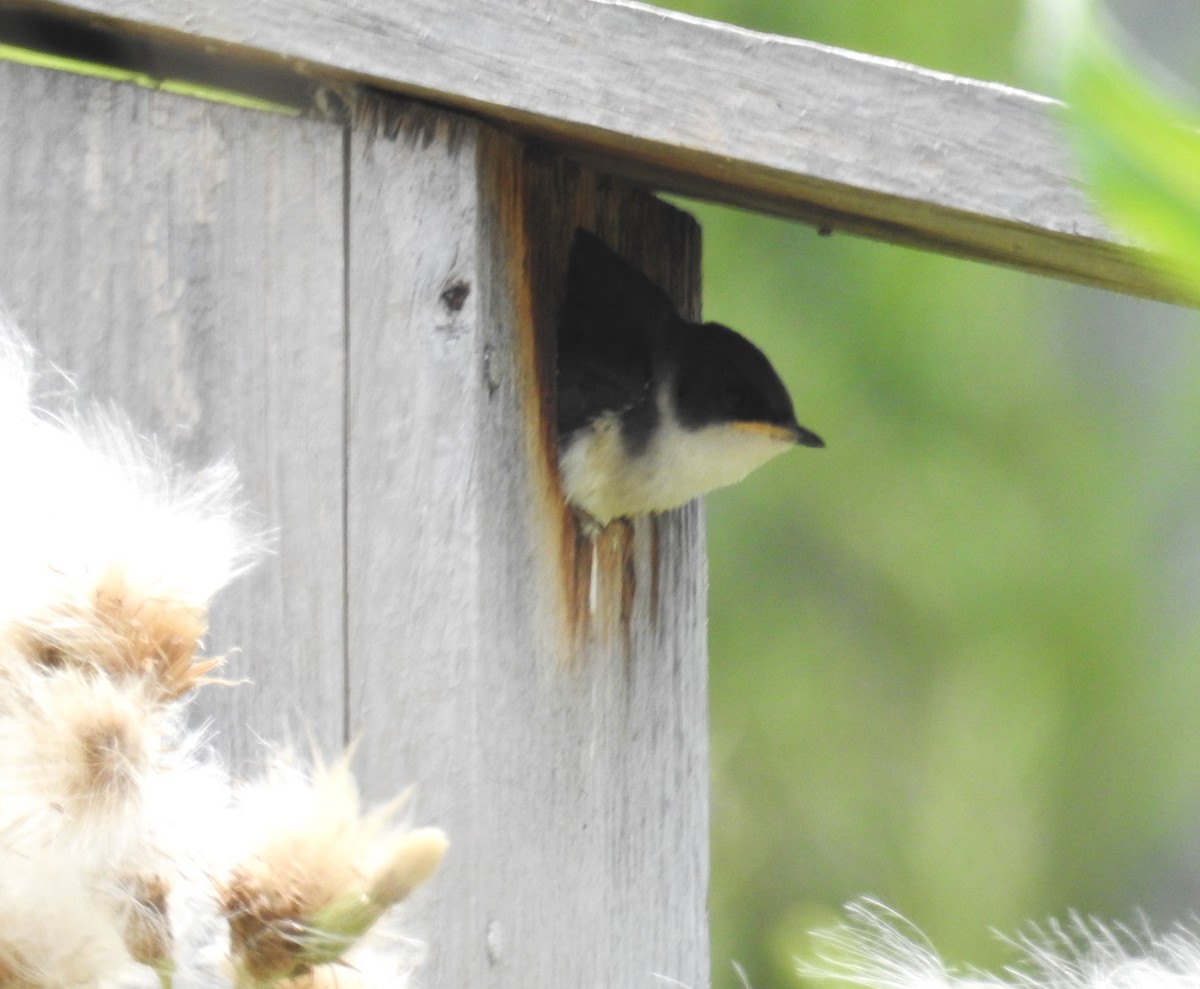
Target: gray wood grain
[
  {"x": 564, "y": 750},
  {"x": 189, "y": 263},
  {"x": 183, "y": 261},
  {"x": 844, "y": 140}
]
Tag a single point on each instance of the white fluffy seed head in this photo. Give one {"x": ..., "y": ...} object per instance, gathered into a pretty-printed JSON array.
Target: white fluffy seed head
[
  {"x": 76, "y": 517},
  {"x": 876, "y": 948},
  {"x": 122, "y": 852},
  {"x": 76, "y": 853},
  {"x": 77, "y": 748},
  {"x": 315, "y": 872},
  {"x": 87, "y": 506},
  {"x": 58, "y": 933}
]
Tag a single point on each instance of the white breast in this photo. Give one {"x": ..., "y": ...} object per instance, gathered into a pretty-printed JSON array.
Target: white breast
[{"x": 677, "y": 465}]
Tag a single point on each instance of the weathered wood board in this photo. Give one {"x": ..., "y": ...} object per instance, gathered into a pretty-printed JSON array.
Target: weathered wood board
[
  {"x": 362, "y": 316},
  {"x": 844, "y": 140},
  {"x": 183, "y": 262},
  {"x": 564, "y": 749}
]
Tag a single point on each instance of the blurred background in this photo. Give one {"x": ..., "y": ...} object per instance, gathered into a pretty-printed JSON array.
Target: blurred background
[{"x": 955, "y": 656}]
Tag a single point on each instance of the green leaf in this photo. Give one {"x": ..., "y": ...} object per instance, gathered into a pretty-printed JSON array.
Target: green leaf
[{"x": 1140, "y": 154}]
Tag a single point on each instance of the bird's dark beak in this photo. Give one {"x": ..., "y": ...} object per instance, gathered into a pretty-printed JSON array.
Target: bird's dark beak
[
  {"x": 805, "y": 437},
  {"x": 794, "y": 433}
]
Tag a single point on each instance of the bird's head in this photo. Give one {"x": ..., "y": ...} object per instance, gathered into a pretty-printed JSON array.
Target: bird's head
[{"x": 724, "y": 380}]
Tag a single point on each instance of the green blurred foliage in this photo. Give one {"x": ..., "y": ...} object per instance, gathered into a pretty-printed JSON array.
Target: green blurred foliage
[
  {"x": 944, "y": 669},
  {"x": 1140, "y": 152}
]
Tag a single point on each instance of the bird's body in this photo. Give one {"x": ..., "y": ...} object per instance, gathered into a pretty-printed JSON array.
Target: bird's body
[
  {"x": 605, "y": 479},
  {"x": 654, "y": 410}
]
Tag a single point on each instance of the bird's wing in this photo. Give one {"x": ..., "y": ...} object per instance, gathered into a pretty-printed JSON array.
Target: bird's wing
[{"x": 609, "y": 326}]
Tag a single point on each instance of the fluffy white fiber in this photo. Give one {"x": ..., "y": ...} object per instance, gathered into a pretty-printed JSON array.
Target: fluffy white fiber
[
  {"x": 128, "y": 858},
  {"x": 877, "y": 949},
  {"x": 109, "y": 561},
  {"x": 84, "y": 495}
]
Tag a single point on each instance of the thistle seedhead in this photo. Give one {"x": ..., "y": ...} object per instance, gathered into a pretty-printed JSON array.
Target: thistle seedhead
[
  {"x": 318, "y": 874},
  {"x": 77, "y": 748},
  {"x": 121, "y": 631}
]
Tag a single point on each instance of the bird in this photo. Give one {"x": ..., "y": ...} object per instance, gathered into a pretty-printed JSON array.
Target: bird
[{"x": 653, "y": 409}]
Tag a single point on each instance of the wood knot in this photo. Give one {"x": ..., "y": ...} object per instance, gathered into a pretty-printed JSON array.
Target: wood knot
[{"x": 454, "y": 296}]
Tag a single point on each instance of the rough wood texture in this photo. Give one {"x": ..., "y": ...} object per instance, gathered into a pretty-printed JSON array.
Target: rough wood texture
[
  {"x": 844, "y": 140},
  {"x": 183, "y": 261},
  {"x": 564, "y": 750},
  {"x": 190, "y": 262}
]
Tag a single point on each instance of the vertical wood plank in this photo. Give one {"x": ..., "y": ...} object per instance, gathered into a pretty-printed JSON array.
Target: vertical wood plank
[
  {"x": 183, "y": 260},
  {"x": 565, "y": 754},
  {"x": 186, "y": 261}
]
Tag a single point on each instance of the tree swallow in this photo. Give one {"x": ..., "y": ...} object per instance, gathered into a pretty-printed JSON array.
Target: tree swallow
[{"x": 654, "y": 410}]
